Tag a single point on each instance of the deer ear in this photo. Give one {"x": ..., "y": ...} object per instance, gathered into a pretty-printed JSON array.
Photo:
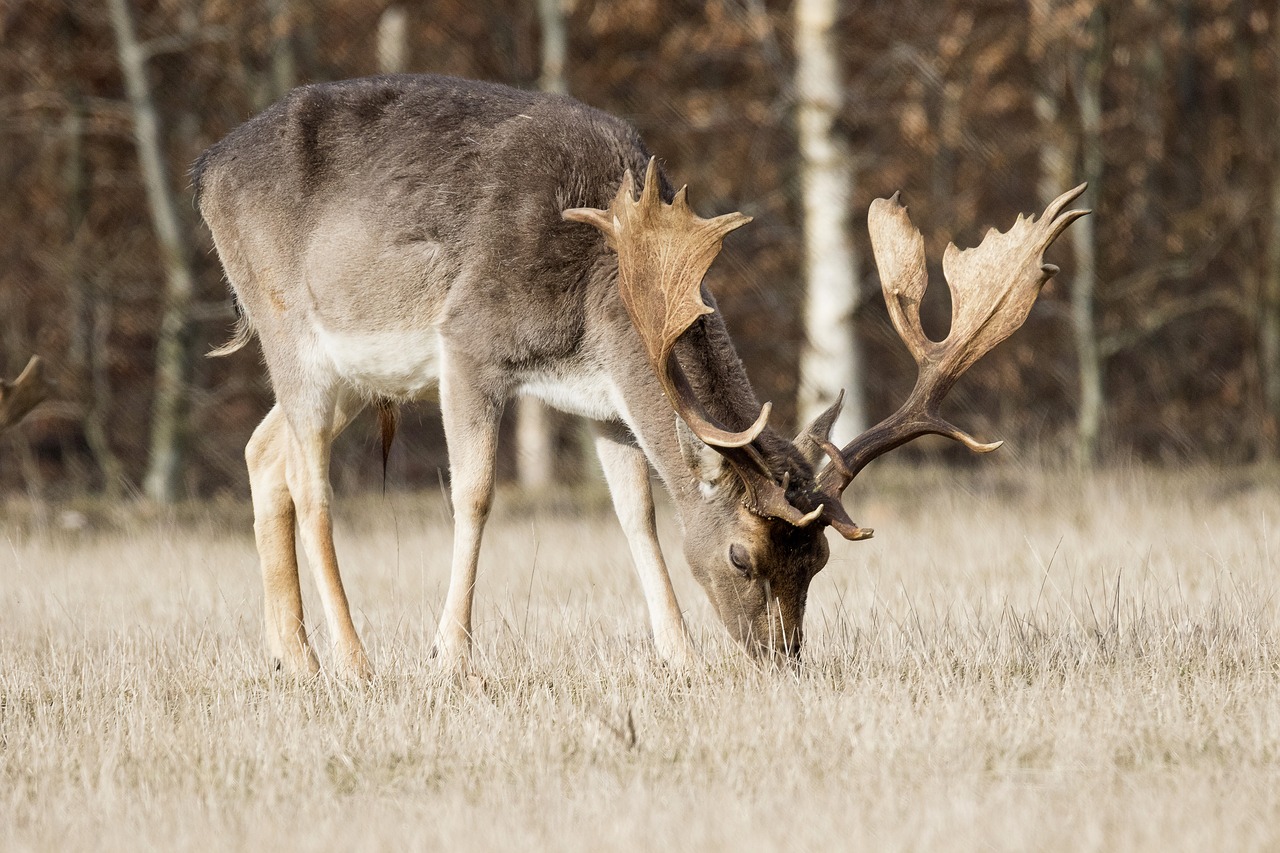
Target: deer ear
[
  {"x": 705, "y": 462},
  {"x": 810, "y": 440}
]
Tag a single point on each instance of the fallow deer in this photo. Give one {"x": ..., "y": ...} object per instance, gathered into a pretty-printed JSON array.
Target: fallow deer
[
  {"x": 389, "y": 234},
  {"x": 23, "y": 394}
]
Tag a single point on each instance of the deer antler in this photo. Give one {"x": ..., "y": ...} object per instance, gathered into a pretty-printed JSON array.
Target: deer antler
[
  {"x": 993, "y": 287},
  {"x": 664, "y": 251},
  {"x": 23, "y": 394}
]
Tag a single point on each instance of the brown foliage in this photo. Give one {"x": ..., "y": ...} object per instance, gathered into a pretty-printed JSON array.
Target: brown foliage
[{"x": 940, "y": 103}]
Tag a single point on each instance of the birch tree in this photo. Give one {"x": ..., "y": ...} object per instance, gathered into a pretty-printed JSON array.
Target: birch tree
[
  {"x": 1087, "y": 74},
  {"x": 535, "y": 423},
  {"x": 169, "y": 407},
  {"x": 1057, "y": 60},
  {"x": 393, "y": 41},
  {"x": 283, "y": 60},
  {"x": 1269, "y": 331},
  {"x": 829, "y": 359}
]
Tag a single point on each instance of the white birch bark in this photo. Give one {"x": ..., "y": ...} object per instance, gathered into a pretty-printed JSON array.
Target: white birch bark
[
  {"x": 169, "y": 408},
  {"x": 393, "y": 40},
  {"x": 283, "y": 61},
  {"x": 1084, "y": 241},
  {"x": 829, "y": 359},
  {"x": 535, "y": 424},
  {"x": 555, "y": 46}
]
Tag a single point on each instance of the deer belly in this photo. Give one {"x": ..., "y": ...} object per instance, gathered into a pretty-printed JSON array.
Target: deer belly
[
  {"x": 587, "y": 394},
  {"x": 398, "y": 364}
]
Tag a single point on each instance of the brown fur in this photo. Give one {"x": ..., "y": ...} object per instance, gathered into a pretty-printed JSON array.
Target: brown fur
[{"x": 419, "y": 209}]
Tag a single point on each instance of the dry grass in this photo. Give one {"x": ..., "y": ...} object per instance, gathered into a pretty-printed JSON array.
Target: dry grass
[{"x": 1015, "y": 662}]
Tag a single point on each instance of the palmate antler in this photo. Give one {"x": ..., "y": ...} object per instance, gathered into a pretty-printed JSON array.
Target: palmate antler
[
  {"x": 23, "y": 394},
  {"x": 993, "y": 287},
  {"x": 664, "y": 251}
]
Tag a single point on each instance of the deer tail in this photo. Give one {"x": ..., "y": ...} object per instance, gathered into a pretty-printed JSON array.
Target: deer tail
[
  {"x": 240, "y": 337},
  {"x": 388, "y": 420}
]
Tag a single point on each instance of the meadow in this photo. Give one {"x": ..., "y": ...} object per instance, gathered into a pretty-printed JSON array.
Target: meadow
[{"x": 1019, "y": 660}]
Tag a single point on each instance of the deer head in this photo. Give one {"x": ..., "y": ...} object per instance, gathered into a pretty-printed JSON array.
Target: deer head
[
  {"x": 758, "y": 539},
  {"x": 24, "y": 393}
]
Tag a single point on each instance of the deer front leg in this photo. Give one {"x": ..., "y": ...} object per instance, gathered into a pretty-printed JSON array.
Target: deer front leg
[
  {"x": 273, "y": 528},
  {"x": 470, "y": 414},
  {"x": 627, "y": 472},
  {"x": 308, "y": 473}
]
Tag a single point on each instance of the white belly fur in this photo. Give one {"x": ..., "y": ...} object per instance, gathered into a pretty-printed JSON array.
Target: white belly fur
[
  {"x": 403, "y": 364},
  {"x": 578, "y": 393}
]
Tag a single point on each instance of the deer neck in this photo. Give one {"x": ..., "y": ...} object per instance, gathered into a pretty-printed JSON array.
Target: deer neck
[{"x": 713, "y": 368}]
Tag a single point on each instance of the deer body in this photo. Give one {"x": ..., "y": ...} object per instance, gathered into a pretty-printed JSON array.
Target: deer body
[
  {"x": 392, "y": 235},
  {"x": 388, "y": 236}
]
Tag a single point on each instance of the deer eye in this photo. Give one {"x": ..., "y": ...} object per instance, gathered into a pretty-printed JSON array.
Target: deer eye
[{"x": 740, "y": 559}]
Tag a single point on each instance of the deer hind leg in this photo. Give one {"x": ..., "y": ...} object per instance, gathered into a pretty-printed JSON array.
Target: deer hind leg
[
  {"x": 307, "y": 469},
  {"x": 471, "y": 418},
  {"x": 273, "y": 527},
  {"x": 626, "y": 470}
]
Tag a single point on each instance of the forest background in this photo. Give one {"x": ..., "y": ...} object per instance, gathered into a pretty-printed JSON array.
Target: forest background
[{"x": 1158, "y": 342}]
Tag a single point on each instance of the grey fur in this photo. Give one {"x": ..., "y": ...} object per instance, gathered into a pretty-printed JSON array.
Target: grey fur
[{"x": 431, "y": 203}]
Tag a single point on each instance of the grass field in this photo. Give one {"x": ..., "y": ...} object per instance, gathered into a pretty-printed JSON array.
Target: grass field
[{"x": 1016, "y": 661}]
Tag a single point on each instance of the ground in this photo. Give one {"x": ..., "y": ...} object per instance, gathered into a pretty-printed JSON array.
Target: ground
[{"x": 1018, "y": 660}]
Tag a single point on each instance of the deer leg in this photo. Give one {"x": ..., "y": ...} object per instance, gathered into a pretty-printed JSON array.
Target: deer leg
[
  {"x": 626, "y": 470},
  {"x": 273, "y": 528},
  {"x": 308, "y": 477},
  {"x": 471, "y": 431}
]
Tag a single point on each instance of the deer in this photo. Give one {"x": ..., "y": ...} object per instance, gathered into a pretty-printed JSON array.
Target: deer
[
  {"x": 23, "y": 394},
  {"x": 389, "y": 237}
]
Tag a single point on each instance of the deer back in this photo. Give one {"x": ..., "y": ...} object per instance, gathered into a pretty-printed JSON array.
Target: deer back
[{"x": 412, "y": 202}]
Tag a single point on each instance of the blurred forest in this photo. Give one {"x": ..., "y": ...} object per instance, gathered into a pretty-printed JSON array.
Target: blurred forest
[{"x": 1159, "y": 341}]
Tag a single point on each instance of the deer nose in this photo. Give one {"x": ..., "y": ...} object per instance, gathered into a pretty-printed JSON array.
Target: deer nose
[{"x": 782, "y": 648}]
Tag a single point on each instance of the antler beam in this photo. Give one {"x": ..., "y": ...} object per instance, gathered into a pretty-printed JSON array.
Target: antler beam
[{"x": 993, "y": 287}]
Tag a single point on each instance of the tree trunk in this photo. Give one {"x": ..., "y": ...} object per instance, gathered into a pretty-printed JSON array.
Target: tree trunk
[
  {"x": 87, "y": 354},
  {"x": 169, "y": 408},
  {"x": 393, "y": 41},
  {"x": 829, "y": 360},
  {"x": 1056, "y": 156},
  {"x": 535, "y": 423},
  {"x": 555, "y": 46},
  {"x": 75, "y": 185},
  {"x": 1269, "y": 331},
  {"x": 1088, "y": 86},
  {"x": 283, "y": 61}
]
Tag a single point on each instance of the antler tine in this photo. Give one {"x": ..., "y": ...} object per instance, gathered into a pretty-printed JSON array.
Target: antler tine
[
  {"x": 993, "y": 287},
  {"x": 1056, "y": 206},
  {"x": 650, "y": 196},
  {"x": 23, "y": 394}
]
